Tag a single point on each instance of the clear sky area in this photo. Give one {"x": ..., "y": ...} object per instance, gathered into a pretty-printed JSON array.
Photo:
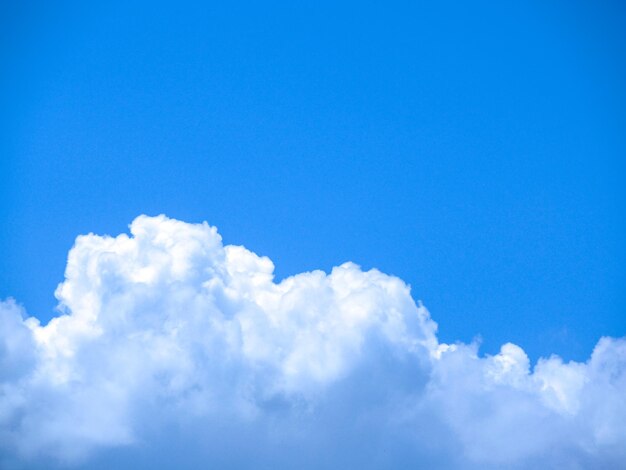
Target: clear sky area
[{"x": 475, "y": 150}]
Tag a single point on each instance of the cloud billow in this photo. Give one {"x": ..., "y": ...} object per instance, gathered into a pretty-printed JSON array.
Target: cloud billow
[{"x": 175, "y": 350}]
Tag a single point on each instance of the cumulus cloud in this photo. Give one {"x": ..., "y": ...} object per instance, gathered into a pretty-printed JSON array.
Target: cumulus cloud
[{"x": 172, "y": 349}]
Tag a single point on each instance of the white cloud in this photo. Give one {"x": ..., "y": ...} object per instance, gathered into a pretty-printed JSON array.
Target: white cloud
[{"x": 170, "y": 342}]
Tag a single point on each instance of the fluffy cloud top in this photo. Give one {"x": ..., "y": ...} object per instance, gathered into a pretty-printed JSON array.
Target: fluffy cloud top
[{"x": 174, "y": 350}]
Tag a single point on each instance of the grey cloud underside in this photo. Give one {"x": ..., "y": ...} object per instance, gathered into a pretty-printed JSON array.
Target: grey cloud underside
[{"x": 175, "y": 350}]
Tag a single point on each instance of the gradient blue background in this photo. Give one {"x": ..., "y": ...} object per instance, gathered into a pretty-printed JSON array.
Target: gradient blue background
[{"x": 474, "y": 149}]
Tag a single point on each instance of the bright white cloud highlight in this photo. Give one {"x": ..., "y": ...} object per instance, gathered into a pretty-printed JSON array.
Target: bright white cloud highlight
[{"x": 169, "y": 338}]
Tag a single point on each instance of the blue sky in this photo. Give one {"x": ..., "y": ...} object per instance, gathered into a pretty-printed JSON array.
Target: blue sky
[{"x": 475, "y": 151}]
